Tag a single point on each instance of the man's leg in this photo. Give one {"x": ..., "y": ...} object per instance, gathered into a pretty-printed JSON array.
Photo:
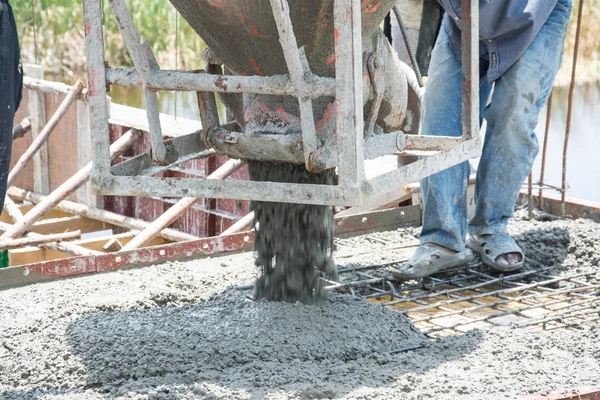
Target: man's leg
[
  {"x": 11, "y": 79},
  {"x": 444, "y": 194},
  {"x": 510, "y": 144}
]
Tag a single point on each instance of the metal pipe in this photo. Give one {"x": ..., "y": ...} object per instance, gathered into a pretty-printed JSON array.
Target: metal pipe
[
  {"x": 316, "y": 86},
  {"x": 470, "y": 68}
]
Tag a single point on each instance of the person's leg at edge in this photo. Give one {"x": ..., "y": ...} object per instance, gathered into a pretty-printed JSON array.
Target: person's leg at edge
[
  {"x": 444, "y": 194},
  {"x": 510, "y": 145},
  {"x": 11, "y": 79}
]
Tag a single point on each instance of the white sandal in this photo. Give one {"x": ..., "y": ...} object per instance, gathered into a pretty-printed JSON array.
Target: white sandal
[{"x": 429, "y": 260}]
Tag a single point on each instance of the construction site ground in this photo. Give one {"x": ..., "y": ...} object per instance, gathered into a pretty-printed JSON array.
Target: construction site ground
[{"x": 188, "y": 330}]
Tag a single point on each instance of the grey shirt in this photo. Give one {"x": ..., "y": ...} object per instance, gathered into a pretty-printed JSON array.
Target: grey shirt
[{"x": 506, "y": 29}]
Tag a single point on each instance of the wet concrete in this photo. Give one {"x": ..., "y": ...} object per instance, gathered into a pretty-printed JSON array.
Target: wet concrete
[
  {"x": 293, "y": 242},
  {"x": 175, "y": 331}
]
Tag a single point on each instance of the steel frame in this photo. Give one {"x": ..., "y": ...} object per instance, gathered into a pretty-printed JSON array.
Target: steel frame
[{"x": 352, "y": 189}]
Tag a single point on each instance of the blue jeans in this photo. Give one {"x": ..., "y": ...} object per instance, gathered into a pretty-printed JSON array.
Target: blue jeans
[{"x": 510, "y": 144}]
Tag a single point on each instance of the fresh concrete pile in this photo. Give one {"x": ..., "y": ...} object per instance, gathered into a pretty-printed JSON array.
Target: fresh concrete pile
[{"x": 178, "y": 331}]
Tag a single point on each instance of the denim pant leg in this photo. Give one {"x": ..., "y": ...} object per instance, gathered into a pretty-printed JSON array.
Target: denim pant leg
[
  {"x": 444, "y": 194},
  {"x": 510, "y": 145},
  {"x": 11, "y": 79}
]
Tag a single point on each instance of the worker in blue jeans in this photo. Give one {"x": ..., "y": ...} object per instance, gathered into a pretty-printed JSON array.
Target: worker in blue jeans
[
  {"x": 521, "y": 46},
  {"x": 11, "y": 82}
]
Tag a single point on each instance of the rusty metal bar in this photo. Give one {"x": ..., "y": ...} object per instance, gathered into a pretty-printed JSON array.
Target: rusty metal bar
[
  {"x": 575, "y": 309},
  {"x": 316, "y": 86},
  {"x": 409, "y": 50},
  {"x": 570, "y": 107},
  {"x": 518, "y": 299},
  {"x": 545, "y": 149},
  {"x": 44, "y": 86},
  {"x": 230, "y": 189},
  {"x": 68, "y": 187},
  {"x": 45, "y": 133},
  {"x": 478, "y": 296}
]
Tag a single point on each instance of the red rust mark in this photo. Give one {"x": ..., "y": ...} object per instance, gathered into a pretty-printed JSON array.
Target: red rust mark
[
  {"x": 328, "y": 118},
  {"x": 255, "y": 32},
  {"x": 225, "y": 23},
  {"x": 242, "y": 17},
  {"x": 260, "y": 111},
  {"x": 331, "y": 59},
  {"x": 88, "y": 29},
  {"x": 93, "y": 81},
  {"x": 282, "y": 114},
  {"x": 336, "y": 33},
  {"x": 370, "y": 6},
  {"x": 215, "y": 3},
  {"x": 255, "y": 66}
]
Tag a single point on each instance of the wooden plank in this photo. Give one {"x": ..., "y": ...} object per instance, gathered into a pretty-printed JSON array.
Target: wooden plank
[
  {"x": 25, "y": 178},
  {"x": 27, "y": 255},
  {"x": 135, "y": 118},
  {"x": 37, "y": 111},
  {"x": 73, "y": 223},
  {"x": 85, "y": 194},
  {"x": 62, "y": 164}
]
